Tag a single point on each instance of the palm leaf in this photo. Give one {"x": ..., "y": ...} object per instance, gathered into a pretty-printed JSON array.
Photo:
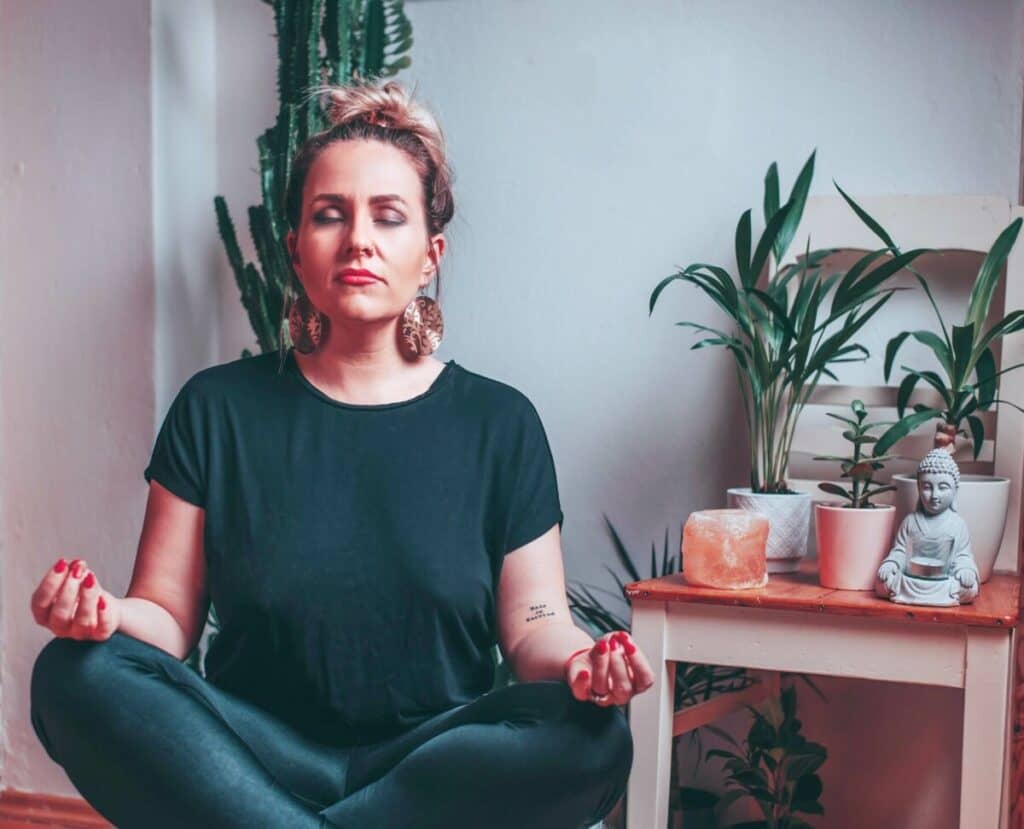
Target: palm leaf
[{"x": 988, "y": 275}]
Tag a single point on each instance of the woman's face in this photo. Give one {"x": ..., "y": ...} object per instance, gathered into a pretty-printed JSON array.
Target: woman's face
[{"x": 362, "y": 208}]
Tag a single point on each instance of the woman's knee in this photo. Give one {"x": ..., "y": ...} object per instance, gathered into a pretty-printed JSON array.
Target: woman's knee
[
  {"x": 592, "y": 740},
  {"x": 70, "y": 673},
  {"x": 609, "y": 743}
]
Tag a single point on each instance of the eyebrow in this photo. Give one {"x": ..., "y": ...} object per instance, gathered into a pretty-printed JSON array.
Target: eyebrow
[{"x": 338, "y": 197}]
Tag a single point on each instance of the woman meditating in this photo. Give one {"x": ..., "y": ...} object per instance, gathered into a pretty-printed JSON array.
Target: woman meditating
[{"x": 368, "y": 522}]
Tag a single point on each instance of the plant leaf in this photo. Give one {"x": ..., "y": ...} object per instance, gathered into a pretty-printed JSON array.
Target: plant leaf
[
  {"x": 743, "y": 250},
  {"x": 797, "y": 200},
  {"x": 977, "y": 433},
  {"x": 963, "y": 345},
  {"x": 873, "y": 226},
  {"x": 835, "y": 489},
  {"x": 988, "y": 275},
  {"x": 986, "y": 375},
  {"x": 771, "y": 192},
  {"x": 904, "y": 427}
]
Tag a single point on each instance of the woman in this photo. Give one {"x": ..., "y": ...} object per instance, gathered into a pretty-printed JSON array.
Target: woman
[{"x": 368, "y": 521}]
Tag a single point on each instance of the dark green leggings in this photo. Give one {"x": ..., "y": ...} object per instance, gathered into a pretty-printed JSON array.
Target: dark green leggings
[{"x": 150, "y": 743}]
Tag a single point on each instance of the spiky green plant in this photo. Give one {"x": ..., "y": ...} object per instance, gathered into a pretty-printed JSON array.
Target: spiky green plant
[{"x": 318, "y": 41}]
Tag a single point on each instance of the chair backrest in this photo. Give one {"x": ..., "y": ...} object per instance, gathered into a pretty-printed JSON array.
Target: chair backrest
[{"x": 963, "y": 228}]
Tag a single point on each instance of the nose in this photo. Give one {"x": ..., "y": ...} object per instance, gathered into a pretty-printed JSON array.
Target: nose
[{"x": 359, "y": 238}]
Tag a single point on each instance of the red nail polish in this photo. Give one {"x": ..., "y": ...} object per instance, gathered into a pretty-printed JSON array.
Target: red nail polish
[
  {"x": 585, "y": 674},
  {"x": 602, "y": 646},
  {"x": 90, "y": 580},
  {"x": 630, "y": 648},
  {"x": 60, "y": 566},
  {"x": 614, "y": 644},
  {"x": 77, "y": 571},
  {"x": 102, "y": 605}
]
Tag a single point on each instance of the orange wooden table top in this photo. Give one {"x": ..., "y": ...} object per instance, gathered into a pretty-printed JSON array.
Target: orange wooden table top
[{"x": 997, "y": 605}]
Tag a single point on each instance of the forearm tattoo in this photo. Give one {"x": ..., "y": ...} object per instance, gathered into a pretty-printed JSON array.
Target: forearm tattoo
[{"x": 539, "y": 611}]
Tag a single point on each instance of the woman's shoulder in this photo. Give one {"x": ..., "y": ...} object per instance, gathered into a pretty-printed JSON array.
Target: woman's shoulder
[
  {"x": 492, "y": 392},
  {"x": 225, "y": 380}
]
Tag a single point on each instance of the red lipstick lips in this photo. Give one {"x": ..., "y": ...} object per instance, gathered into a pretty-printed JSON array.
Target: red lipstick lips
[{"x": 359, "y": 276}]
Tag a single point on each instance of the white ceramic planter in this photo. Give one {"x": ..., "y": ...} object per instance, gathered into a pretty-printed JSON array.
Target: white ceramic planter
[
  {"x": 982, "y": 502},
  {"x": 852, "y": 544},
  {"x": 789, "y": 520}
]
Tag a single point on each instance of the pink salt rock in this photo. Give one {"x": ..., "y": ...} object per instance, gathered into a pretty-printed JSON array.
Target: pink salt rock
[{"x": 725, "y": 548}]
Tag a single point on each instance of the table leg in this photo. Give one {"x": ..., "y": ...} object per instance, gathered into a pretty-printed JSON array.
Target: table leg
[
  {"x": 650, "y": 720},
  {"x": 986, "y": 699}
]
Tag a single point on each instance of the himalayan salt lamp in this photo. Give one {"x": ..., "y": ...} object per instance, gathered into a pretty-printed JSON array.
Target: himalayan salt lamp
[{"x": 725, "y": 548}]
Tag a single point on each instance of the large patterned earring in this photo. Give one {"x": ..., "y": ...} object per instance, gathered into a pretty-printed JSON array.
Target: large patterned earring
[
  {"x": 306, "y": 325},
  {"x": 422, "y": 326}
]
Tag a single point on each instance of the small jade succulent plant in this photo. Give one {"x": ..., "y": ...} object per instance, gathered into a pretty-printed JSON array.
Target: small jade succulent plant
[{"x": 862, "y": 466}]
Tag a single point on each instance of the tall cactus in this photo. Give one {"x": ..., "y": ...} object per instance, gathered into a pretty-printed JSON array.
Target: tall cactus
[{"x": 362, "y": 40}]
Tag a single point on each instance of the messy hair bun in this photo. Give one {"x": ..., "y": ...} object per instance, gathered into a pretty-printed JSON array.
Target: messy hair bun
[{"x": 382, "y": 112}]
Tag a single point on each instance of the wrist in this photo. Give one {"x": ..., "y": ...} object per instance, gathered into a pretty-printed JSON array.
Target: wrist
[{"x": 571, "y": 657}]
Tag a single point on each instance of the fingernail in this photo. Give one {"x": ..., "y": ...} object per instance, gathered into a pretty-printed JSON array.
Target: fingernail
[
  {"x": 602, "y": 646},
  {"x": 585, "y": 674},
  {"x": 60, "y": 566},
  {"x": 102, "y": 605},
  {"x": 630, "y": 648},
  {"x": 77, "y": 571},
  {"x": 90, "y": 580},
  {"x": 614, "y": 644}
]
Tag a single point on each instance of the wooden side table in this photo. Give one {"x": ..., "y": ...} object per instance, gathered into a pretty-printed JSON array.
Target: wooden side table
[{"x": 795, "y": 624}]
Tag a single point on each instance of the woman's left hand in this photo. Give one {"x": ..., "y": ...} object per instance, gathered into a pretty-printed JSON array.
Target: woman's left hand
[{"x": 612, "y": 672}]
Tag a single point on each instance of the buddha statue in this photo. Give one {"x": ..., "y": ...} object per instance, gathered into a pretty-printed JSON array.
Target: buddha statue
[{"x": 931, "y": 562}]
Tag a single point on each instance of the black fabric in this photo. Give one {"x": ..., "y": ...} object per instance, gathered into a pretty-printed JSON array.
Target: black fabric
[{"x": 353, "y": 551}]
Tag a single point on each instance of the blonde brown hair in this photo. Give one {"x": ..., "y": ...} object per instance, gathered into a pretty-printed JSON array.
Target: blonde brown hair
[{"x": 380, "y": 112}]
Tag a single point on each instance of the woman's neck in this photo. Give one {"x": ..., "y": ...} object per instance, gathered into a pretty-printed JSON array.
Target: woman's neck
[{"x": 369, "y": 378}]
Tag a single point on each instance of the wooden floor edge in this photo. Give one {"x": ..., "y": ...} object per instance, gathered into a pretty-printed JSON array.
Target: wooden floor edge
[{"x": 32, "y": 809}]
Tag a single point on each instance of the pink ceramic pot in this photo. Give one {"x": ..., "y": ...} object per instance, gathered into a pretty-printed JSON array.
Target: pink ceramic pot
[{"x": 852, "y": 544}]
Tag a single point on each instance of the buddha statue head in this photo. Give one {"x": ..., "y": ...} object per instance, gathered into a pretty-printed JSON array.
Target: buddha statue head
[{"x": 938, "y": 480}]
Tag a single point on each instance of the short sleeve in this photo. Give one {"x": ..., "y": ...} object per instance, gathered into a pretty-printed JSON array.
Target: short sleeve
[
  {"x": 177, "y": 461},
  {"x": 534, "y": 505}
]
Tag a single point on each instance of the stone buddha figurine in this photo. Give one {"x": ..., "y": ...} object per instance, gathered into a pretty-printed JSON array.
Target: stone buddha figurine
[{"x": 931, "y": 562}]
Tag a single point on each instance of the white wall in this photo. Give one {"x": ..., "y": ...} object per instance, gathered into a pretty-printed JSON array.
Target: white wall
[
  {"x": 76, "y": 318},
  {"x": 186, "y": 247},
  {"x": 596, "y": 145}
]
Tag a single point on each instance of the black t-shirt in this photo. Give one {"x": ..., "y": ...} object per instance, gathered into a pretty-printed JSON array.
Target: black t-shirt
[{"x": 353, "y": 551}]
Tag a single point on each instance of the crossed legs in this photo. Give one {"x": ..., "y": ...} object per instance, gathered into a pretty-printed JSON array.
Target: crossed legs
[{"x": 150, "y": 743}]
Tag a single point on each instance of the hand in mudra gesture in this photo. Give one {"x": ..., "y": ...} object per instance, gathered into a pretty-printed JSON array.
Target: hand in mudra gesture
[
  {"x": 70, "y": 602},
  {"x": 611, "y": 672}
]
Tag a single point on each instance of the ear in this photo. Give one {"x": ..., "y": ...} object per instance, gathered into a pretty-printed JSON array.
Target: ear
[{"x": 435, "y": 251}]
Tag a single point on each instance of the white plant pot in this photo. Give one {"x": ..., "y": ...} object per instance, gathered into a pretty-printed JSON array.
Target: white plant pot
[
  {"x": 852, "y": 544},
  {"x": 789, "y": 519},
  {"x": 982, "y": 502}
]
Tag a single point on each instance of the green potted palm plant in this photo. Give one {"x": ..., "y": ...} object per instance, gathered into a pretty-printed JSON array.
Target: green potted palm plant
[
  {"x": 967, "y": 384},
  {"x": 790, "y": 324}
]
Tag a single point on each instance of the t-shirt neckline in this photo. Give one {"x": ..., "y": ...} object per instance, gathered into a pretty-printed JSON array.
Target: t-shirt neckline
[{"x": 435, "y": 386}]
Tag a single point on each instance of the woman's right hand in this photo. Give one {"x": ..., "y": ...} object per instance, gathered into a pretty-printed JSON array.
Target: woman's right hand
[{"x": 70, "y": 602}]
